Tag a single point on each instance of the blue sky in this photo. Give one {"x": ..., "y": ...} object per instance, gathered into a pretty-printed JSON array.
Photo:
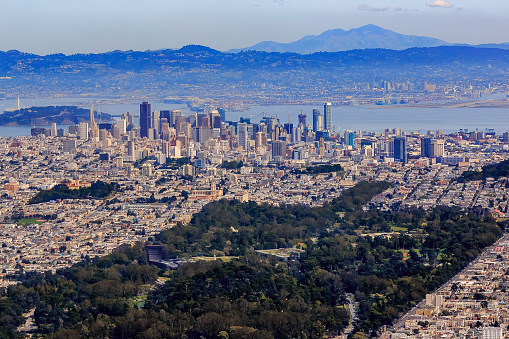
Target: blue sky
[{"x": 92, "y": 26}]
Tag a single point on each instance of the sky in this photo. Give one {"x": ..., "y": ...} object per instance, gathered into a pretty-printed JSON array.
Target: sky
[{"x": 95, "y": 26}]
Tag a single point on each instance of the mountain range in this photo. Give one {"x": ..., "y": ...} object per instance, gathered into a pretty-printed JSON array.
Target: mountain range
[
  {"x": 265, "y": 77},
  {"x": 365, "y": 37}
]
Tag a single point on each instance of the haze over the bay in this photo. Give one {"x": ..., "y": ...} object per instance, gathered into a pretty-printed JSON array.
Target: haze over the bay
[{"x": 93, "y": 26}]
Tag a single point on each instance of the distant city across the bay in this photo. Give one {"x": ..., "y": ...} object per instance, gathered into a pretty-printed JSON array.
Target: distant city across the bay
[{"x": 367, "y": 118}]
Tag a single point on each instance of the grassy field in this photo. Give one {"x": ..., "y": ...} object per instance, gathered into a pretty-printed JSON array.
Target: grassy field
[
  {"x": 225, "y": 259},
  {"x": 30, "y": 221},
  {"x": 399, "y": 229},
  {"x": 138, "y": 301}
]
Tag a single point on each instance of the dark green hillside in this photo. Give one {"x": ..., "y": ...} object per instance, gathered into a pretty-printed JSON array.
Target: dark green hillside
[{"x": 41, "y": 116}]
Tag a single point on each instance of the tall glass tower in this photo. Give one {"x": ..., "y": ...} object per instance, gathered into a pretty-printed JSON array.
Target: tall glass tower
[
  {"x": 317, "y": 120},
  {"x": 327, "y": 116},
  {"x": 400, "y": 149},
  {"x": 145, "y": 119}
]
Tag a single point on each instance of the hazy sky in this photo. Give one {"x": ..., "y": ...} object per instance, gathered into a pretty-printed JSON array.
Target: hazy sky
[{"x": 91, "y": 26}]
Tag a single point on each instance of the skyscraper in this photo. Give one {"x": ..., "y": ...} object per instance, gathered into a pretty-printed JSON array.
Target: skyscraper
[
  {"x": 155, "y": 124},
  {"x": 437, "y": 148},
  {"x": 348, "y": 137},
  {"x": 83, "y": 131},
  {"x": 317, "y": 120},
  {"x": 222, "y": 113},
  {"x": 145, "y": 119},
  {"x": 278, "y": 150},
  {"x": 242, "y": 135},
  {"x": 400, "y": 149},
  {"x": 302, "y": 119},
  {"x": 426, "y": 147},
  {"x": 327, "y": 114}
]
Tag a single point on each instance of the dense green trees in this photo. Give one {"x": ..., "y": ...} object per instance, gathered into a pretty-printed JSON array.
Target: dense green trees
[
  {"x": 254, "y": 296},
  {"x": 320, "y": 169},
  {"x": 500, "y": 169},
  {"x": 97, "y": 190},
  {"x": 233, "y": 164}
]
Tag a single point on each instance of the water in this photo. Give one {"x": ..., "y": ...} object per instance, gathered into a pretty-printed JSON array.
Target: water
[
  {"x": 378, "y": 118},
  {"x": 365, "y": 118}
]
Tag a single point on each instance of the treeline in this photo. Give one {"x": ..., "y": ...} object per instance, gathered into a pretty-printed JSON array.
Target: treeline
[
  {"x": 495, "y": 171},
  {"x": 320, "y": 169},
  {"x": 97, "y": 190}
]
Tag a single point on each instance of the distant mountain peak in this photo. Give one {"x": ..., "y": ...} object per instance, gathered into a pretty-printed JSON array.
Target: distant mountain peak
[
  {"x": 337, "y": 40},
  {"x": 196, "y": 49}
]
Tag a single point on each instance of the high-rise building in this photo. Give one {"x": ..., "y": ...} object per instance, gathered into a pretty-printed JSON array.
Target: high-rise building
[
  {"x": 69, "y": 145},
  {"x": 164, "y": 114},
  {"x": 145, "y": 119},
  {"x": 129, "y": 117},
  {"x": 130, "y": 148},
  {"x": 278, "y": 150},
  {"x": 146, "y": 170},
  {"x": 242, "y": 136},
  {"x": 222, "y": 113},
  {"x": 400, "y": 149},
  {"x": 215, "y": 119},
  {"x": 73, "y": 129},
  {"x": 155, "y": 124},
  {"x": 426, "y": 147},
  {"x": 54, "y": 129},
  {"x": 83, "y": 131},
  {"x": 302, "y": 119},
  {"x": 437, "y": 148},
  {"x": 327, "y": 113},
  {"x": 349, "y": 137},
  {"x": 317, "y": 120},
  {"x": 173, "y": 118}
]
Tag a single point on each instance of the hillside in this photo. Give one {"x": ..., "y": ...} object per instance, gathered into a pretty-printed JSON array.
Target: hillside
[
  {"x": 337, "y": 40},
  {"x": 250, "y": 75},
  {"x": 43, "y": 116}
]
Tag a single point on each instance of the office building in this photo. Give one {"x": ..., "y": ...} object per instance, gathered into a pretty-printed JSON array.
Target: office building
[
  {"x": 242, "y": 136},
  {"x": 155, "y": 124},
  {"x": 302, "y": 119},
  {"x": 145, "y": 119},
  {"x": 222, "y": 113},
  {"x": 426, "y": 147},
  {"x": 278, "y": 150},
  {"x": 437, "y": 148},
  {"x": 69, "y": 145},
  {"x": 400, "y": 149},
  {"x": 317, "y": 120},
  {"x": 327, "y": 113},
  {"x": 83, "y": 131},
  {"x": 349, "y": 137}
]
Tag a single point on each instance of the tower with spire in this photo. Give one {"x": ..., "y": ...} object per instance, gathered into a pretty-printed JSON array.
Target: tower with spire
[{"x": 94, "y": 131}]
